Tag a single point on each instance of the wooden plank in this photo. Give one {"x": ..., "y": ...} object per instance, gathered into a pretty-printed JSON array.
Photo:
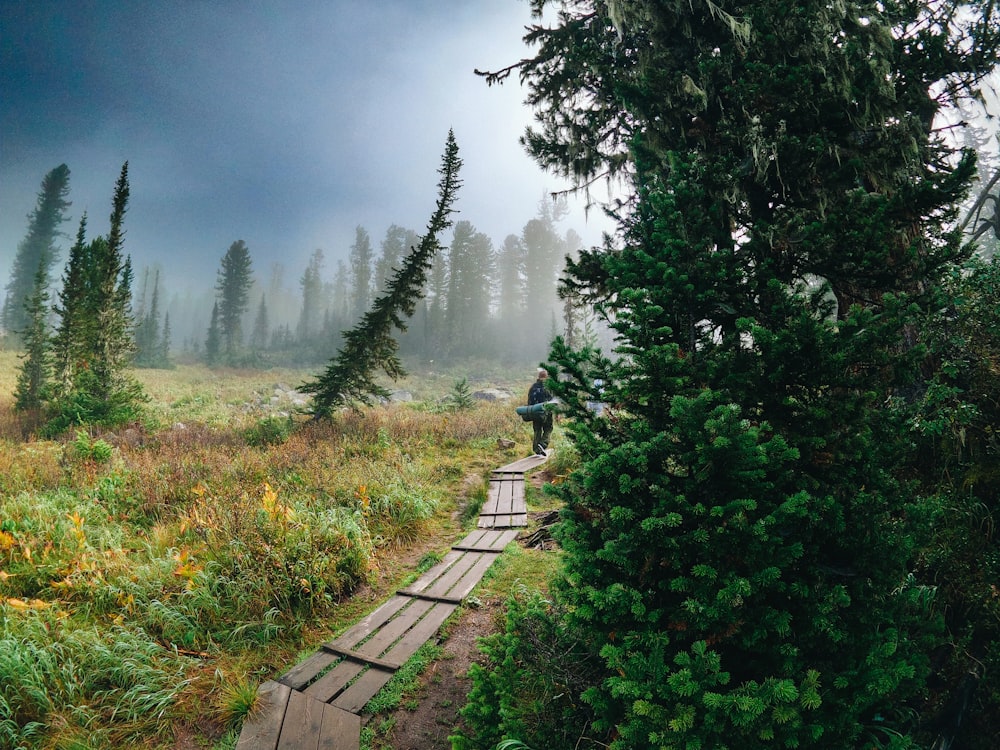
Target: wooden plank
[
  {"x": 370, "y": 623},
  {"x": 500, "y": 539},
  {"x": 391, "y": 632},
  {"x": 341, "y": 730},
  {"x": 464, "y": 586},
  {"x": 303, "y": 721},
  {"x": 506, "y": 502},
  {"x": 434, "y": 573},
  {"x": 364, "y": 688},
  {"x": 471, "y": 541},
  {"x": 443, "y": 585},
  {"x": 437, "y": 599},
  {"x": 519, "y": 502},
  {"x": 335, "y": 681},
  {"x": 421, "y": 632},
  {"x": 305, "y": 672},
  {"x": 521, "y": 465},
  {"x": 487, "y": 540},
  {"x": 364, "y": 659},
  {"x": 492, "y": 502},
  {"x": 263, "y": 728}
]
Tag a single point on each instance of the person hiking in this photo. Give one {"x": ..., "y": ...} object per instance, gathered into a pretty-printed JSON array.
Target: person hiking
[{"x": 542, "y": 421}]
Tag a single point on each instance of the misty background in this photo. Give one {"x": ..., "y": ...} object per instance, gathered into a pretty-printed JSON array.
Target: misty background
[{"x": 290, "y": 127}]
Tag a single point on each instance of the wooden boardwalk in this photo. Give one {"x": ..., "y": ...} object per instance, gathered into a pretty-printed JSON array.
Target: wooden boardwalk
[{"x": 317, "y": 704}]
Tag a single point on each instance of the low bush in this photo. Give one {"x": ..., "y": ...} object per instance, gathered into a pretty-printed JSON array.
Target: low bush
[{"x": 528, "y": 690}]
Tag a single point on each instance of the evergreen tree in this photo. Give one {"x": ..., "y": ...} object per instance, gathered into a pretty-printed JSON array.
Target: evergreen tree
[
  {"x": 37, "y": 249},
  {"x": 213, "y": 339},
  {"x": 310, "y": 319},
  {"x": 737, "y": 545},
  {"x": 436, "y": 344},
  {"x": 370, "y": 347},
  {"x": 361, "y": 272},
  {"x": 163, "y": 353},
  {"x": 340, "y": 299},
  {"x": 75, "y": 319},
  {"x": 33, "y": 379},
  {"x": 235, "y": 279},
  {"x": 471, "y": 264},
  {"x": 394, "y": 247},
  {"x": 148, "y": 341},
  {"x": 95, "y": 340},
  {"x": 261, "y": 334}
]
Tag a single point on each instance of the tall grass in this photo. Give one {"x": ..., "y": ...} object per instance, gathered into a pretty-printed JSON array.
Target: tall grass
[{"x": 149, "y": 575}]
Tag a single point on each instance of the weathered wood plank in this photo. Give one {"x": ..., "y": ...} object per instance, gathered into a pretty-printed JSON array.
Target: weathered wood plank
[
  {"x": 262, "y": 730},
  {"x": 363, "y": 658},
  {"x": 434, "y": 573},
  {"x": 305, "y": 672},
  {"x": 364, "y": 688},
  {"x": 472, "y": 540},
  {"x": 334, "y": 681},
  {"x": 303, "y": 721},
  {"x": 521, "y": 465},
  {"x": 391, "y": 632},
  {"x": 500, "y": 539},
  {"x": 341, "y": 730},
  {"x": 463, "y": 587},
  {"x": 421, "y": 632},
  {"x": 369, "y": 624},
  {"x": 487, "y": 540},
  {"x": 443, "y": 585},
  {"x": 519, "y": 502}
]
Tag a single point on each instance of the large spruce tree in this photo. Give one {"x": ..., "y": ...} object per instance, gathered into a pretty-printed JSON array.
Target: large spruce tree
[
  {"x": 737, "y": 540},
  {"x": 37, "y": 249}
]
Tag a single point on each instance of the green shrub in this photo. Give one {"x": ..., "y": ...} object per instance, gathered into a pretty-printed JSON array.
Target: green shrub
[
  {"x": 529, "y": 689},
  {"x": 273, "y": 430},
  {"x": 85, "y": 448}
]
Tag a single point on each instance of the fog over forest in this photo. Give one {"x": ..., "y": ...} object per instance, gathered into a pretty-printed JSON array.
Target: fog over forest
[{"x": 287, "y": 128}]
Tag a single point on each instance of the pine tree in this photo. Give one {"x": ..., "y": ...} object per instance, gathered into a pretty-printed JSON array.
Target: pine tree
[
  {"x": 75, "y": 318},
  {"x": 369, "y": 347},
  {"x": 361, "y": 272},
  {"x": 312, "y": 295},
  {"x": 163, "y": 350},
  {"x": 471, "y": 264},
  {"x": 394, "y": 247},
  {"x": 95, "y": 341},
  {"x": 213, "y": 339},
  {"x": 261, "y": 334},
  {"x": 37, "y": 249},
  {"x": 737, "y": 544},
  {"x": 235, "y": 279},
  {"x": 34, "y": 376},
  {"x": 148, "y": 341}
]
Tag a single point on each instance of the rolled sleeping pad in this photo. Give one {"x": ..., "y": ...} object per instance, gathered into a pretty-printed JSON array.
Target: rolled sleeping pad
[{"x": 527, "y": 411}]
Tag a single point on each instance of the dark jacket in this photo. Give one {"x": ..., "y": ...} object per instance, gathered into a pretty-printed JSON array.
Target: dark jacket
[{"x": 538, "y": 393}]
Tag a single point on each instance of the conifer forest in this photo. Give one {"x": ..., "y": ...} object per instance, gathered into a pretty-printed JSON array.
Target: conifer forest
[{"x": 780, "y": 528}]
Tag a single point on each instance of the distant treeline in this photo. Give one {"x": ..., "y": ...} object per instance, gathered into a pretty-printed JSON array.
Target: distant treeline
[{"x": 482, "y": 299}]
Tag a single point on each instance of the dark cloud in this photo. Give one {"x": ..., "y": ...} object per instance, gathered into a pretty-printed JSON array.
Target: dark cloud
[{"x": 283, "y": 124}]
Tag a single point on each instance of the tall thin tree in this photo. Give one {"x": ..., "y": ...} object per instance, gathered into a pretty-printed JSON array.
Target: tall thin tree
[{"x": 370, "y": 346}]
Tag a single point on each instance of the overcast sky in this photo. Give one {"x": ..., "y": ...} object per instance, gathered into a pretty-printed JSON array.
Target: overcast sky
[{"x": 282, "y": 123}]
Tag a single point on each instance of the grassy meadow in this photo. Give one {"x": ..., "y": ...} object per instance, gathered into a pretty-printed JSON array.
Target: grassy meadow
[{"x": 152, "y": 577}]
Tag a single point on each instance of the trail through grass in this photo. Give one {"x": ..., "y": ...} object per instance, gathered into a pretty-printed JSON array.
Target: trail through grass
[{"x": 151, "y": 577}]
